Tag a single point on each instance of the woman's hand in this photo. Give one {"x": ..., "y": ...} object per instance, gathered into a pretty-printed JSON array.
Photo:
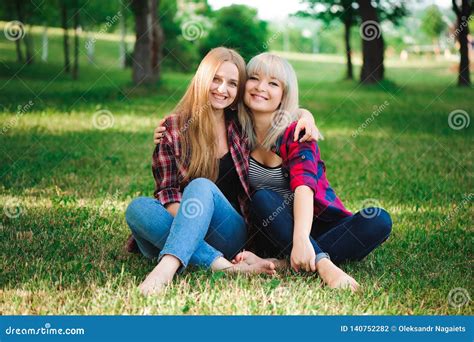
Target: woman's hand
[
  {"x": 303, "y": 256},
  {"x": 159, "y": 131},
  {"x": 306, "y": 123}
]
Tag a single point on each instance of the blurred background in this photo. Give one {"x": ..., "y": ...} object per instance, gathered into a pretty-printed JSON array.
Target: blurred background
[{"x": 176, "y": 34}]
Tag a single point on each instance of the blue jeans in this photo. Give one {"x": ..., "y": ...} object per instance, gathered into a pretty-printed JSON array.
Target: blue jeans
[
  {"x": 349, "y": 238},
  {"x": 206, "y": 226}
]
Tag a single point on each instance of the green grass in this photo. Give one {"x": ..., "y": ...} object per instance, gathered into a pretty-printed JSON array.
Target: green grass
[{"x": 72, "y": 182}]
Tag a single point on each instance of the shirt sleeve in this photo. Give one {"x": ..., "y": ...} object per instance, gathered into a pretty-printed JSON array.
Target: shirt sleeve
[
  {"x": 165, "y": 172},
  {"x": 304, "y": 163}
]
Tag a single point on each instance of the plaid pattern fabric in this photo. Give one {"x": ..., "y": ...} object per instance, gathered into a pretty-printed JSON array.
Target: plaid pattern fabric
[
  {"x": 169, "y": 173},
  {"x": 305, "y": 166}
]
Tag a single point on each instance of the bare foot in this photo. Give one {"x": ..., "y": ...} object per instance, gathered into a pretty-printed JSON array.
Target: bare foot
[
  {"x": 334, "y": 277},
  {"x": 259, "y": 266},
  {"x": 154, "y": 284},
  {"x": 251, "y": 258},
  {"x": 161, "y": 276}
]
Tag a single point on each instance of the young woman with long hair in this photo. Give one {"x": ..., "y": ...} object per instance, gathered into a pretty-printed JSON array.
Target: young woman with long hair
[{"x": 294, "y": 208}]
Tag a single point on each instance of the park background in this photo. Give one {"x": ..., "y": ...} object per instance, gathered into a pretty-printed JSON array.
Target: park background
[{"x": 80, "y": 96}]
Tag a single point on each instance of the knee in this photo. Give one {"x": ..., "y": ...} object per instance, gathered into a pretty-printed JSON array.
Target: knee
[
  {"x": 134, "y": 211},
  {"x": 381, "y": 223},
  {"x": 259, "y": 202},
  {"x": 259, "y": 196},
  {"x": 201, "y": 183}
]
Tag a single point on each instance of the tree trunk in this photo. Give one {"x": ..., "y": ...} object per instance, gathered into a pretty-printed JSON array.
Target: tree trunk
[
  {"x": 463, "y": 13},
  {"x": 75, "y": 68},
  {"x": 372, "y": 44},
  {"x": 67, "y": 62},
  {"x": 25, "y": 38},
  {"x": 19, "y": 54},
  {"x": 145, "y": 61},
  {"x": 158, "y": 39},
  {"x": 90, "y": 47},
  {"x": 28, "y": 46},
  {"x": 123, "y": 32},
  {"x": 347, "y": 40},
  {"x": 44, "y": 45}
]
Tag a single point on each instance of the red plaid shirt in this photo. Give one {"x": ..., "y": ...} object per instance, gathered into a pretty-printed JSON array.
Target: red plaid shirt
[
  {"x": 169, "y": 172},
  {"x": 305, "y": 166}
]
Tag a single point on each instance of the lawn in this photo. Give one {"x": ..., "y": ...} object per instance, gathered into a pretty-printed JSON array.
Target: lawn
[{"x": 65, "y": 184}]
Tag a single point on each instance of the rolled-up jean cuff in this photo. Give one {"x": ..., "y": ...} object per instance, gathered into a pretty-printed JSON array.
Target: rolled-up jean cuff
[
  {"x": 212, "y": 259},
  {"x": 205, "y": 263},
  {"x": 321, "y": 256}
]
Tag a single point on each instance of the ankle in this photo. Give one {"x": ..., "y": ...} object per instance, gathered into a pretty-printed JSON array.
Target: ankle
[
  {"x": 168, "y": 265},
  {"x": 324, "y": 265},
  {"x": 221, "y": 264}
]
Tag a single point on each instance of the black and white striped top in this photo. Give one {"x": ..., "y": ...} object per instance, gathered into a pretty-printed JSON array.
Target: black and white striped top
[{"x": 272, "y": 178}]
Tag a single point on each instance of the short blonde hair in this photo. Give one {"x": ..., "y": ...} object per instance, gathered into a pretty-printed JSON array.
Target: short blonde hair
[{"x": 279, "y": 68}]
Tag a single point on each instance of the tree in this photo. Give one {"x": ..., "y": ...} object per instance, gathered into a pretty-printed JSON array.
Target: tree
[
  {"x": 372, "y": 44},
  {"x": 432, "y": 23},
  {"x": 237, "y": 27},
  {"x": 369, "y": 15},
  {"x": 463, "y": 10},
  {"x": 19, "y": 13},
  {"x": 75, "y": 21},
  {"x": 148, "y": 44},
  {"x": 64, "y": 24},
  {"x": 342, "y": 10}
]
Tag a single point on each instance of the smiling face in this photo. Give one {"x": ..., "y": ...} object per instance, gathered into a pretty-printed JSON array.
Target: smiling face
[
  {"x": 224, "y": 86},
  {"x": 263, "y": 94}
]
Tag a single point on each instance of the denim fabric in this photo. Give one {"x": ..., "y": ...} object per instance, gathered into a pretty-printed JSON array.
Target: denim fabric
[
  {"x": 205, "y": 227},
  {"x": 349, "y": 238}
]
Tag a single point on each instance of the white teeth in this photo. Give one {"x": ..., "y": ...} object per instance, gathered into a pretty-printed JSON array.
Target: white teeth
[{"x": 220, "y": 97}]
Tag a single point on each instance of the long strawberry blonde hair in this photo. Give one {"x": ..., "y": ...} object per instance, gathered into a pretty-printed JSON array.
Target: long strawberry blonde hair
[{"x": 196, "y": 115}]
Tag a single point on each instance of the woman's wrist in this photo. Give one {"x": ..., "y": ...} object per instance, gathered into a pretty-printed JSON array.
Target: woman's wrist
[{"x": 299, "y": 238}]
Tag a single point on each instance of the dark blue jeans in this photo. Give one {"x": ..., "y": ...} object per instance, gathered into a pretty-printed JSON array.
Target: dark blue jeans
[{"x": 349, "y": 238}]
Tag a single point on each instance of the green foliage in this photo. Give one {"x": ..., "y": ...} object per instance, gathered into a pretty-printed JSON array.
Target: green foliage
[
  {"x": 237, "y": 27},
  {"x": 432, "y": 23},
  {"x": 180, "y": 53}
]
